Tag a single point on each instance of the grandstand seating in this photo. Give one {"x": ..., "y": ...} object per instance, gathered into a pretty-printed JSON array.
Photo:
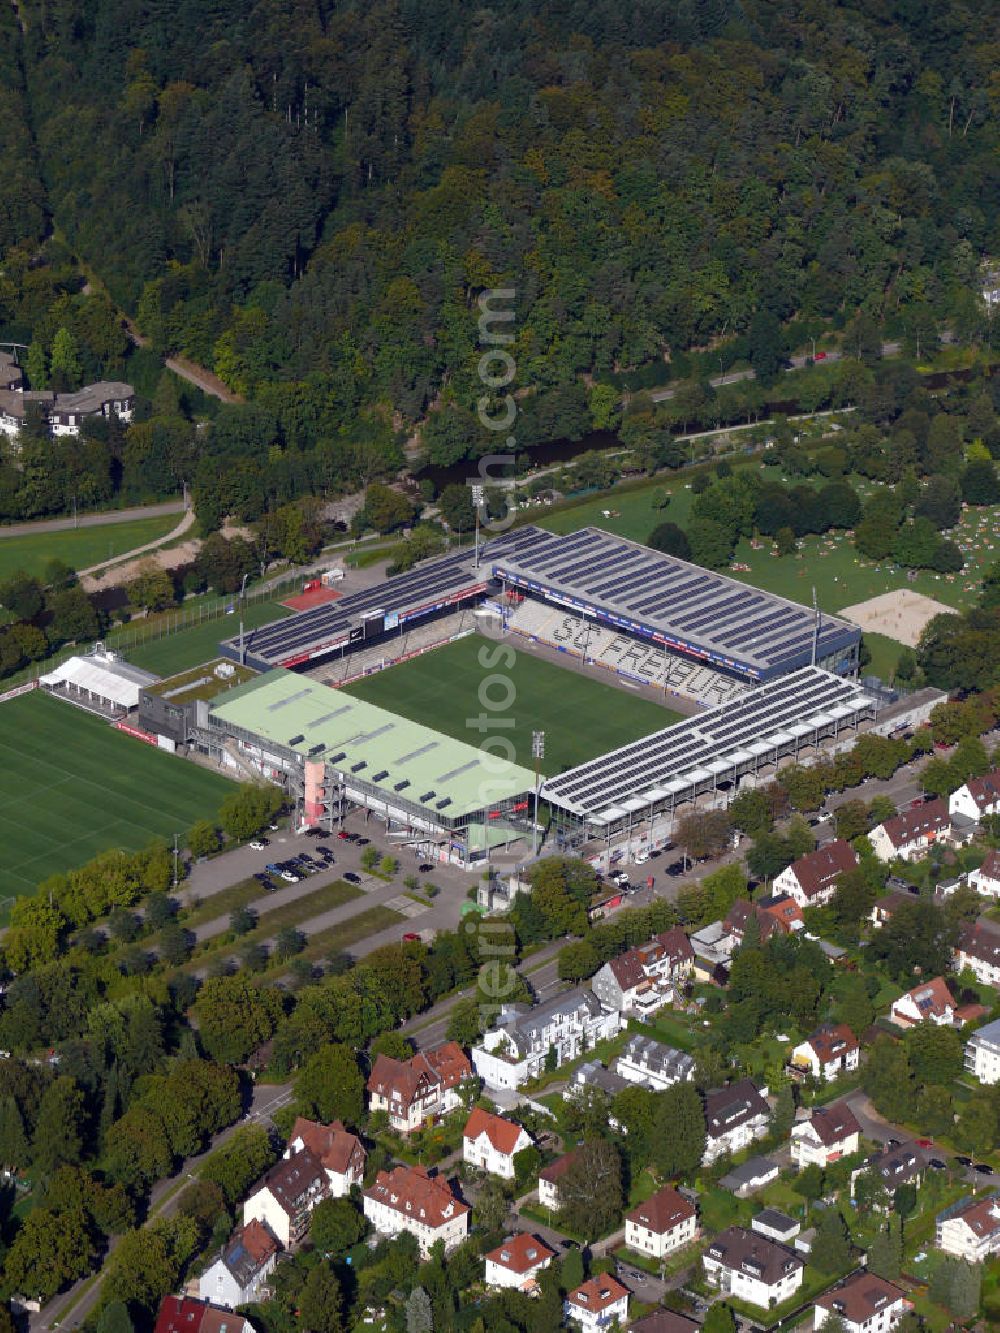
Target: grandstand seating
[
  {"x": 421, "y": 635},
  {"x": 623, "y": 654}
]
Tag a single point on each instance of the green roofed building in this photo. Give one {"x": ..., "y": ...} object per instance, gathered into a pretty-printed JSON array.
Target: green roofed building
[{"x": 330, "y": 750}]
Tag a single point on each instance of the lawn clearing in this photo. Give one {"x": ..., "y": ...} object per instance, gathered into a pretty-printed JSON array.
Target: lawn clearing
[
  {"x": 196, "y": 644},
  {"x": 581, "y": 717},
  {"x": 81, "y": 547},
  {"x": 71, "y": 786},
  {"x": 340, "y": 937}
]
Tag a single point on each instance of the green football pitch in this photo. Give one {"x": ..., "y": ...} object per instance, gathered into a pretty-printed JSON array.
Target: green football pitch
[
  {"x": 581, "y": 717},
  {"x": 71, "y": 786}
]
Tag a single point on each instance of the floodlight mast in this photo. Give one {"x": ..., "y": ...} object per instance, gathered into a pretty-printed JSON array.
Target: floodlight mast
[
  {"x": 537, "y": 753},
  {"x": 478, "y": 494}
]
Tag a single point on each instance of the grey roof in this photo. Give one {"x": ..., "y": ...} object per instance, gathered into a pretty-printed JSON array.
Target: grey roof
[
  {"x": 664, "y": 1061},
  {"x": 521, "y": 1023},
  {"x": 593, "y": 1074},
  {"x": 775, "y": 1219},
  {"x": 987, "y": 1035},
  {"x": 678, "y": 604},
  {"x": 754, "y": 1168},
  {"x": 93, "y": 397},
  {"x": 675, "y": 758}
]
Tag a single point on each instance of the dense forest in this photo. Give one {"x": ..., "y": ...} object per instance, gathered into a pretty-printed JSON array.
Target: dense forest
[{"x": 308, "y": 197}]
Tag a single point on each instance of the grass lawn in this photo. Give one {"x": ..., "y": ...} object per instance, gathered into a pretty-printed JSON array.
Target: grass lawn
[
  {"x": 71, "y": 786},
  {"x": 669, "y": 1028},
  {"x": 80, "y": 547},
  {"x": 196, "y": 644},
  {"x": 222, "y": 903},
  {"x": 340, "y": 937},
  {"x": 581, "y": 717}
]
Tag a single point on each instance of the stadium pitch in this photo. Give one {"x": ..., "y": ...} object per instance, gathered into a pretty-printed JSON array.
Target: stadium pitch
[
  {"x": 581, "y": 717},
  {"x": 71, "y": 786}
]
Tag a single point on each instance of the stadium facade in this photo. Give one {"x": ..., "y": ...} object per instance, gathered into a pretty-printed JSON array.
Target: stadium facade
[
  {"x": 330, "y": 750},
  {"x": 732, "y": 628}
]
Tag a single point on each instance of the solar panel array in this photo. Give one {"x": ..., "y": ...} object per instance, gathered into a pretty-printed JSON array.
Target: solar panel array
[
  {"x": 293, "y": 639},
  {"x": 728, "y": 622},
  {"x": 650, "y": 769}
]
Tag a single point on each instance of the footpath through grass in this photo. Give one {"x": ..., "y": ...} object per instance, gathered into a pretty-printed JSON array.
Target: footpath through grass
[
  {"x": 80, "y": 547},
  {"x": 581, "y": 717},
  {"x": 71, "y": 786}
]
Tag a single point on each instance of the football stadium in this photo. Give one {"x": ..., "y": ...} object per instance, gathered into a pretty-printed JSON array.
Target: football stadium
[{"x": 762, "y": 679}]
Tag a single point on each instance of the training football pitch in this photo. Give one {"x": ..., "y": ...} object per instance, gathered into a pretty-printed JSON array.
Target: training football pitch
[
  {"x": 71, "y": 786},
  {"x": 581, "y": 717}
]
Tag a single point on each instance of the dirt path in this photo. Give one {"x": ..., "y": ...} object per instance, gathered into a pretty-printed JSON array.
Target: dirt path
[
  {"x": 132, "y": 556},
  {"x": 124, "y": 568}
]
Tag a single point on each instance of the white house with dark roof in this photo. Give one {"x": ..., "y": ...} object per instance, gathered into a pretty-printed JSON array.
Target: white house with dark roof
[
  {"x": 977, "y": 797},
  {"x": 752, "y": 1268},
  {"x": 422, "y": 1088},
  {"x": 667, "y": 1221},
  {"x": 910, "y": 834},
  {"x": 548, "y": 1180},
  {"x": 653, "y": 1065},
  {"x": 239, "y": 1275},
  {"x": 893, "y": 1167},
  {"x": 970, "y": 1230},
  {"x": 340, "y": 1153},
  {"x": 812, "y": 880},
  {"x": 982, "y": 1053},
  {"x": 285, "y": 1198},
  {"x": 985, "y": 879},
  {"x": 516, "y": 1050},
  {"x": 517, "y": 1262},
  {"x": 829, "y": 1052},
  {"x": 865, "y": 1303},
  {"x": 978, "y": 949},
  {"x": 734, "y": 1117},
  {"x": 826, "y": 1135},
  {"x": 408, "y": 1199}
]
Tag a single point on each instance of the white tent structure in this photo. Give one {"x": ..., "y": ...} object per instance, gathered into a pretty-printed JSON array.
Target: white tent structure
[{"x": 101, "y": 680}]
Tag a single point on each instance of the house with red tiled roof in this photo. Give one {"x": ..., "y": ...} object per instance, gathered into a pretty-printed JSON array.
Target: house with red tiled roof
[
  {"x": 285, "y": 1198},
  {"x": 986, "y": 878},
  {"x": 812, "y": 879},
  {"x": 491, "y": 1143},
  {"x": 830, "y": 1051},
  {"x": 408, "y": 1199},
  {"x": 930, "y": 1002},
  {"x": 911, "y": 833},
  {"x": 183, "y": 1314},
  {"x": 596, "y": 1304},
  {"x": 864, "y": 1303},
  {"x": 826, "y": 1135},
  {"x": 239, "y": 1275},
  {"x": 645, "y": 978},
  {"x": 341, "y": 1153},
  {"x": 785, "y": 911},
  {"x": 977, "y": 797},
  {"x": 414, "y": 1091},
  {"x": 517, "y": 1262},
  {"x": 978, "y": 949},
  {"x": 970, "y": 1229},
  {"x": 665, "y": 1222}
]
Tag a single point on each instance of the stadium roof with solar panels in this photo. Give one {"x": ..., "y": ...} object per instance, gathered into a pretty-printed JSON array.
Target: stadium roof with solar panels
[
  {"x": 726, "y": 623},
  {"x": 667, "y": 767},
  {"x": 430, "y": 587},
  {"x": 402, "y": 760}
]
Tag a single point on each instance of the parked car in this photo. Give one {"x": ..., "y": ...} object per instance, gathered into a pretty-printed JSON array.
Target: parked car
[
  {"x": 964, "y": 1161},
  {"x": 425, "y": 867},
  {"x": 290, "y": 877},
  {"x": 936, "y": 1164},
  {"x": 351, "y": 877},
  {"x": 411, "y": 938},
  {"x": 265, "y": 880},
  {"x": 257, "y": 844},
  {"x": 983, "y": 1168},
  {"x": 343, "y": 834},
  {"x": 925, "y": 1143}
]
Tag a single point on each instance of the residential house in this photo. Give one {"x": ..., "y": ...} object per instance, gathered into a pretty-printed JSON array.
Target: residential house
[
  {"x": 887, "y": 906},
  {"x": 893, "y": 1167},
  {"x": 183, "y": 1314},
  {"x": 827, "y": 1135},
  {"x": 340, "y": 1153},
  {"x": 645, "y": 978},
  {"x": 930, "y": 1002},
  {"x": 977, "y": 797},
  {"x": 982, "y": 1053},
  {"x": 517, "y": 1262},
  {"x": 419, "y": 1089},
  {"x": 812, "y": 880},
  {"x": 64, "y": 413},
  {"x": 986, "y": 878},
  {"x": 775, "y": 1225},
  {"x": 768, "y": 923},
  {"x": 752, "y": 1268},
  {"x": 653, "y": 1065},
  {"x": 664, "y": 1223},
  {"x": 408, "y": 1199},
  {"x": 734, "y": 1117},
  {"x": 11, "y": 378},
  {"x": 978, "y": 949},
  {"x": 595, "y": 1076},
  {"x": 239, "y": 1275},
  {"x": 970, "y": 1230},
  {"x": 548, "y": 1181},
  {"x": 864, "y": 1303},
  {"x": 597, "y": 1304},
  {"x": 560, "y": 1029},
  {"x": 286, "y": 1196},
  {"x": 491, "y": 1143},
  {"x": 830, "y": 1051},
  {"x": 785, "y": 911},
  {"x": 750, "y": 1176},
  {"x": 908, "y": 835}
]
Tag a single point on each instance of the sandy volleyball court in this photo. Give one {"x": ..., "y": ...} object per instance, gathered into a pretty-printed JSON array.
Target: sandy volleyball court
[{"x": 899, "y": 615}]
